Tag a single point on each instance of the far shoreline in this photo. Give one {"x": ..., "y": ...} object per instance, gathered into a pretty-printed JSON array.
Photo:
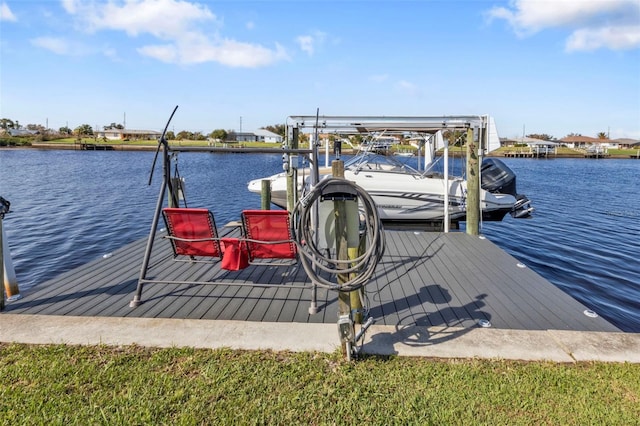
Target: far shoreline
[{"x": 238, "y": 149}]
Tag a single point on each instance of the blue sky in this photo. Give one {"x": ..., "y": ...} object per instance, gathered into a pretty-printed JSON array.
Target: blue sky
[{"x": 538, "y": 66}]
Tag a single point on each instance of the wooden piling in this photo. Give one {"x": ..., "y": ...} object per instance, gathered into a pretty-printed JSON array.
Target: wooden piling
[
  {"x": 347, "y": 301},
  {"x": 473, "y": 185},
  {"x": 342, "y": 249},
  {"x": 265, "y": 194}
]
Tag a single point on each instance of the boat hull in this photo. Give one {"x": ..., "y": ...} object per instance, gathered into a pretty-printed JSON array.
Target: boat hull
[{"x": 421, "y": 201}]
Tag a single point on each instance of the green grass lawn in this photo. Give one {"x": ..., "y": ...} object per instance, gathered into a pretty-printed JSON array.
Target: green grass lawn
[{"x": 57, "y": 384}]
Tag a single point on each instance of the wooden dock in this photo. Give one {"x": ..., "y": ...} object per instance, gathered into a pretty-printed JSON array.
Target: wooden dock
[{"x": 424, "y": 279}]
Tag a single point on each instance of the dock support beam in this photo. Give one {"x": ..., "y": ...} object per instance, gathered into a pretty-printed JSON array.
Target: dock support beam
[{"x": 473, "y": 185}]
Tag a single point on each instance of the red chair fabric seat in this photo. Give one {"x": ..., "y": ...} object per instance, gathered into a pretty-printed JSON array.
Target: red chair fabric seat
[
  {"x": 268, "y": 234},
  {"x": 192, "y": 232}
]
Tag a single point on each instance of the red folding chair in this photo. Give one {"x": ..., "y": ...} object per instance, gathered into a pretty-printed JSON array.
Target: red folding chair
[
  {"x": 267, "y": 234},
  {"x": 192, "y": 233}
]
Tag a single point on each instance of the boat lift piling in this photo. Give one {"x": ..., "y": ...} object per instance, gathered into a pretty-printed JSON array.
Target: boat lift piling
[{"x": 473, "y": 185}]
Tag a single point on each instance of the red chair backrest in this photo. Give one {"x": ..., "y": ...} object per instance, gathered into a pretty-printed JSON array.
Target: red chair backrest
[
  {"x": 192, "y": 224},
  {"x": 268, "y": 225}
]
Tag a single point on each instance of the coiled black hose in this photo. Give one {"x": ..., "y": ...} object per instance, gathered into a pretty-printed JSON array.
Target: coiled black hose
[{"x": 357, "y": 271}]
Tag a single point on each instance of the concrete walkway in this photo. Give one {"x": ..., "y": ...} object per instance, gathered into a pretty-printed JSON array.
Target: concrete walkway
[{"x": 549, "y": 345}]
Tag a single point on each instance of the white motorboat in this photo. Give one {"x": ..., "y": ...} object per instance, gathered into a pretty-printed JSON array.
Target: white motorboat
[{"x": 404, "y": 194}]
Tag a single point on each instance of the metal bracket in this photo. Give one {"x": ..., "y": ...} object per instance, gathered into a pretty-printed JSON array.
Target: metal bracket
[{"x": 346, "y": 331}]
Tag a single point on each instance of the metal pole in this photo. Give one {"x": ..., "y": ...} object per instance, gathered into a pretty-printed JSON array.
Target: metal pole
[
  {"x": 446, "y": 183},
  {"x": 484, "y": 147},
  {"x": 154, "y": 226},
  {"x": 314, "y": 175},
  {"x": 292, "y": 171}
]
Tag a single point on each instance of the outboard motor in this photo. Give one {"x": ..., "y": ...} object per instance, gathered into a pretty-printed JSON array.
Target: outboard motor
[{"x": 497, "y": 177}]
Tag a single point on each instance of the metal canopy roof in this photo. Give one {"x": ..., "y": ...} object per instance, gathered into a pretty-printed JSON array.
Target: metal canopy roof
[{"x": 388, "y": 124}]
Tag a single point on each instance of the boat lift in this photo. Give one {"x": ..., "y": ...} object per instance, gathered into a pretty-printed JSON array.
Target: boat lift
[{"x": 478, "y": 129}]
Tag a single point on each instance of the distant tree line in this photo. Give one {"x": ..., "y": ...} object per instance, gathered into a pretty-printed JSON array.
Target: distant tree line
[{"x": 85, "y": 130}]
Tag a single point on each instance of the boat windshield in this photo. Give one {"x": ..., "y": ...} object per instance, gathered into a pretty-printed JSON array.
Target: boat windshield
[{"x": 370, "y": 161}]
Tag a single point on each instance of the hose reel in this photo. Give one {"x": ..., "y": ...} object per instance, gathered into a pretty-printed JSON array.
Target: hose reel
[{"x": 314, "y": 242}]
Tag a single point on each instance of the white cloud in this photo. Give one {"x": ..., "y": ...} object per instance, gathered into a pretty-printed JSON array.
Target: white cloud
[
  {"x": 66, "y": 47},
  {"x": 616, "y": 38},
  {"x": 70, "y": 5},
  {"x": 594, "y": 24},
  {"x": 179, "y": 25},
  {"x": 166, "y": 19},
  {"x": 55, "y": 45},
  {"x": 308, "y": 43},
  {"x": 165, "y": 53},
  {"x": 6, "y": 14},
  {"x": 408, "y": 88},
  {"x": 379, "y": 78},
  {"x": 226, "y": 52},
  {"x": 111, "y": 53}
]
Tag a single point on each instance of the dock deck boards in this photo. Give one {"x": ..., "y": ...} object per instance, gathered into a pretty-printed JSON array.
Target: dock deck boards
[{"x": 424, "y": 279}]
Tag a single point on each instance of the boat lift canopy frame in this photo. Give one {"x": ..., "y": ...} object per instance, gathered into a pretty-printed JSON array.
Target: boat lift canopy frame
[
  {"x": 398, "y": 125},
  {"x": 388, "y": 124}
]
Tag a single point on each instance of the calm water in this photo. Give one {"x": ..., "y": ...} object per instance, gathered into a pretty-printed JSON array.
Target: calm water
[{"x": 70, "y": 207}]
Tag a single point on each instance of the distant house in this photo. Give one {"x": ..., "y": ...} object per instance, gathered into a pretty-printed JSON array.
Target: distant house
[
  {"x": 527, "y": 141},
  {"x": 260, "y": 135},
  {"x": 22, "y": 132},
  {"x": 626, "y": 143},
  {"x": 245, "y": 137},
  {"x": 264, "y": 135},
  {"x": 127, "y": 134},
  {"x": 585, "y": 142}
]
